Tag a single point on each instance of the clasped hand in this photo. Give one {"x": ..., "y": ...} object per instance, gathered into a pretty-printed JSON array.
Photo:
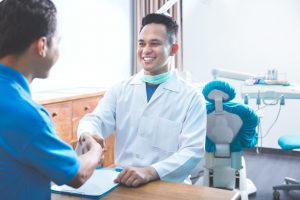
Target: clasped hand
[{"x": 86, "y": 142}]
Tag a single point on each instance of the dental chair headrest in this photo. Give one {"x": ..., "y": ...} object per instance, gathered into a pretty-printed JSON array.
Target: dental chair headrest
[
  {"x": 218, "y": 87},
  {"x": 220, "y": 109}
]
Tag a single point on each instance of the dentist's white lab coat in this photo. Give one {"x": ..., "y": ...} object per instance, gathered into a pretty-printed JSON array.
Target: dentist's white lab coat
[{"x": 166, "y": 133}]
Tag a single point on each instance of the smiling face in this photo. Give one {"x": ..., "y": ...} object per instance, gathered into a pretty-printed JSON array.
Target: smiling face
[{"x": 154, "y": 49}]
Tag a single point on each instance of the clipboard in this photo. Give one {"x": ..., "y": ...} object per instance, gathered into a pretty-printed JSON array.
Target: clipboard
[{"x": 98, "y": 185}]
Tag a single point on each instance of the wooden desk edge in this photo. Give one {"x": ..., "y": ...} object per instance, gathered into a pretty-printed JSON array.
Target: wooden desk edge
[{"x": 70, "y": 97}]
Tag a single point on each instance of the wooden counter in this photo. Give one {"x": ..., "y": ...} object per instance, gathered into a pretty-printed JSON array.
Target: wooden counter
[{"x": 161, "y": 190}]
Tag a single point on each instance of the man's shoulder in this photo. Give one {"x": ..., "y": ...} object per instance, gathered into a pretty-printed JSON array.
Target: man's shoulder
[
  {"x": 188, "y": 87},
  {"x": 190, "y": 90},
  {"x": 20, "y": 104},
  {"x": 132, "y": 80}
]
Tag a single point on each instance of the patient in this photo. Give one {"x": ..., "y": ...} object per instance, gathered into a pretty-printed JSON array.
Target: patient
[
  {"x": 31, "y": 154},
  {"x": 159, "y": 119}
]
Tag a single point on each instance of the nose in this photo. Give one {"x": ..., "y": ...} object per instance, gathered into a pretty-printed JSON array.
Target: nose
[{"x": 147, "y": 49}]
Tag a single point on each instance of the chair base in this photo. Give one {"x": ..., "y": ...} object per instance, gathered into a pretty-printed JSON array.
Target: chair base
[
  {"x": 290, "y": 184},
  {"x": 249, "y": 188},
  {"x": 227, "y": 178}
]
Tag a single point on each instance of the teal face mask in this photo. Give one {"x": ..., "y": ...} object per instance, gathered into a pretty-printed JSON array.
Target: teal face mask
[{"x": 157, "y": 79}]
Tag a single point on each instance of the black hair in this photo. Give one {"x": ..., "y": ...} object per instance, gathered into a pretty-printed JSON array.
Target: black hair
[
  {"x": 169, "y": 22},
  {"x": 24, "y": 21}
]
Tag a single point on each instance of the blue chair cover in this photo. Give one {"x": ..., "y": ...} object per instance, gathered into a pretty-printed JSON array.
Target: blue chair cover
[
  {"x": 247, "y": 135},
  {"x": 289, "y": 142}
]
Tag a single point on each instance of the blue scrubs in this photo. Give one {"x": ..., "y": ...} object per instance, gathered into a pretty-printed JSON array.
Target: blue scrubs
[{"x": 31, "y": 154}]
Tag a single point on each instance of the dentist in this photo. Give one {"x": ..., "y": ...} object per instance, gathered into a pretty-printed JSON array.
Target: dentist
[{"x": 159, "y": 119}]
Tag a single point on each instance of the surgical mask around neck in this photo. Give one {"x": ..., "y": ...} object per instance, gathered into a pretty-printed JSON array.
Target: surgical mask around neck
[{"x": 157, "y": 79}]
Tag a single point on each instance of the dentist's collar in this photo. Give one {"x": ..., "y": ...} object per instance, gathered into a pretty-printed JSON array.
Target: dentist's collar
[{"x": 156, "y": 79}]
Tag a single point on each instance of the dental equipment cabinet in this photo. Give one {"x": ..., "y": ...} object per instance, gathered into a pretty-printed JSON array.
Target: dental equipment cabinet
[{"x": 266, "y": 90}]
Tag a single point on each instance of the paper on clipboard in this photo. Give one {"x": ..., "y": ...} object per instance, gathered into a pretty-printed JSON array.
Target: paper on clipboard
[{"x": 99, "y": 184}]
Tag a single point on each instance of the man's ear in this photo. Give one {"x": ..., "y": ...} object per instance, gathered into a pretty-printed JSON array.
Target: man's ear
[
  {"x": 42, "y": 46},
  {"x": 175, "y": 48}
]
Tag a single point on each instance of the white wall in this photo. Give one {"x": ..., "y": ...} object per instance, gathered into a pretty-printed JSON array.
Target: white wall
[
  {"x": 96, "y": 45},
  {"x": 249, "y": 36}
]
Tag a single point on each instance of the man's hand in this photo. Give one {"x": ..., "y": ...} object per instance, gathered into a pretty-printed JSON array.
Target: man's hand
[
  {"x": 134, "y": 176},
  {"x": 100, "y": 141},
  {"x": 85, "y": 143},
  {"x": 90, "y": 153}
]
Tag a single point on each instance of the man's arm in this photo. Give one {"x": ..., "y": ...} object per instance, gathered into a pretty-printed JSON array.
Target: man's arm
[
  {"x": 135, "y": 176},
  {"x": 90, "y": 153},
  {"x": 102, "y": 120},
  {"x": 178, "y": 166}
]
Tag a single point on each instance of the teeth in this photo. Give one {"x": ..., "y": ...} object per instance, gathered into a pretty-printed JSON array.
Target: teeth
[{"x": 148, "y": 59}]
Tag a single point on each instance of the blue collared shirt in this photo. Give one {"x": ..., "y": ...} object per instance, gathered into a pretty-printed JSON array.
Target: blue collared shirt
[
  {"x": 150, "y": 89},
  {"x": 31, "y": 154}
]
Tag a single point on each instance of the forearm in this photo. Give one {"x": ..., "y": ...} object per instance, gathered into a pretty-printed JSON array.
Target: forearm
[
  {"x": 88, "y": 163},
  {"x": 94, "y": 125},
  {"x": 89, "y": 124},
  {"x": 179, "y": 166}
]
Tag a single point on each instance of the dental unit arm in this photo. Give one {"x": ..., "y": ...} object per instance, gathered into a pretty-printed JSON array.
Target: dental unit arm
[
  {"x": 231, "y": 74},
  {"x": 261, "y": 87}
]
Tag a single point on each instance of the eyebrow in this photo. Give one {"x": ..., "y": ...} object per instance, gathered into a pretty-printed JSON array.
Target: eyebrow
[
  {"x": 152, "y": 40},
  {"x": 155, "y": 40}
]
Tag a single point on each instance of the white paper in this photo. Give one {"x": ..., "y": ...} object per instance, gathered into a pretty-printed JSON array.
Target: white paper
[{"x": 98, "y": 184}]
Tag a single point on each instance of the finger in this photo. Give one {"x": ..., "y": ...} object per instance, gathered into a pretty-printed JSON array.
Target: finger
[
  {"x": 100, "y": 163},
  {"x": 80, "y": 140},
  {"x": 99, "y": 139},
  {"x": 78, "y": 149},
  {"x": 83, "y": 138},
  {"x": 85, "y": 148},
  {"x": 101, "y": 160},
  {"x": 102, "y": 143},
  {"x": 136, "y": 183},
  {"x": 119, "y": 177},
  {"x": 129, "y": 181},
  {"x": 126, "y": 176}
]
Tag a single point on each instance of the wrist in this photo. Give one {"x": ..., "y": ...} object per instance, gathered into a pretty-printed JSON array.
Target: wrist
[{"x": 152, "y": 174}]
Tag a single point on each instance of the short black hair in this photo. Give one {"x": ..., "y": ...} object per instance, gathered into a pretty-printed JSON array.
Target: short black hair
[
  {"x": 24, "y": 21},
  {"x": 169, "y": 22}
]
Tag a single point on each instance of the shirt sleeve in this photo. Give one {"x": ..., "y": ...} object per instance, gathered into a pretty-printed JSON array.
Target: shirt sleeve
[
  {"x": 102, "y": 120},
  {"x": 52, "y": 157},
  {"x": 179, "y": 165},
  {"x": 40, "y": 147},
  {"x": 29, "y": 136}
]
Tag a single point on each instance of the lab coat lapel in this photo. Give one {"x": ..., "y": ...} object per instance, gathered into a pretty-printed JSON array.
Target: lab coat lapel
[
  {"x": 141, "y": 95},
  {"x": 171, "y": 85}
]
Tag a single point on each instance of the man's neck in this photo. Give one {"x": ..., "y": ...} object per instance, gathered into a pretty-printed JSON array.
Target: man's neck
[
  {"x": 161, "y": 71},
  {"x": 18, "y": 64}
]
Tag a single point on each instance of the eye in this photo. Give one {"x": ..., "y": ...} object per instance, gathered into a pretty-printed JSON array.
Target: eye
[
  {"x": 155, "y": 44},
  {"x": 141, "y": 44}
]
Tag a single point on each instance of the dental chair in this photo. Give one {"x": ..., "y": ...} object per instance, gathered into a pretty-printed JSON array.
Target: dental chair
[
  {"x": 231, "y": 128},
  {"x": 287, "y": 142}
]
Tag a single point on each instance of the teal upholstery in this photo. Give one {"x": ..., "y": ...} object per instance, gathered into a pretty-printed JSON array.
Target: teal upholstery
[
  {"x": 289, "y": 142},
  {"x": 247, "y": 135}
]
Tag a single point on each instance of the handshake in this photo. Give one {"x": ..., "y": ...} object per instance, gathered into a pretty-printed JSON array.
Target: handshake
[{"x": 91, "y": 144}]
